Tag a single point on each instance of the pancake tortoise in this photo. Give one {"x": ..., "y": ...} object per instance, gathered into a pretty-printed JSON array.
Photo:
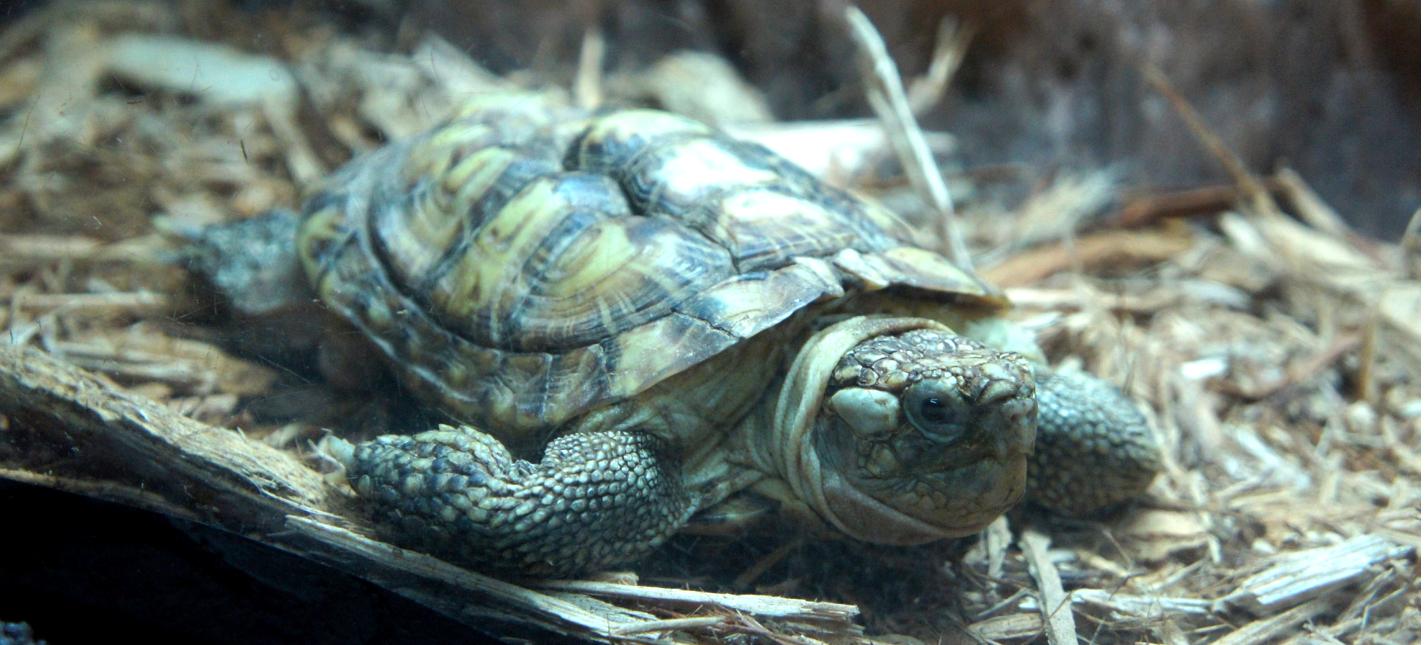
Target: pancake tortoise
[{"x": 658, "y": 316}]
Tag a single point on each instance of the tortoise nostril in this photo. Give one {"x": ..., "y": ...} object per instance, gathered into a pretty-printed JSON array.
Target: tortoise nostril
[{"x": 996, "y": 391}]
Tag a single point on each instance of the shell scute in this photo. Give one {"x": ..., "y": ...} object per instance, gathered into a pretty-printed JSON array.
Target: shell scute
[
  {"x": 616, "y": 275},
  {"x": 676, "y": 174},
  {"x": 746, "y": 304},
  {"x": 611, "y": 141},
  {"x": 767, "y": 227},
  {"x": 522, "y": 268}
]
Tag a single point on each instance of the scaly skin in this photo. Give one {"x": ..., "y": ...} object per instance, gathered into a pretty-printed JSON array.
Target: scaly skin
[
  {"x": 604, "y": 498},
  {"x": 532, "y": 269},
  {"x": 1094, "y": 448},
  {"x": 867, "y": 453},
  {"x": 924, "y": 434},
  {"x": 596, "y": 499}
]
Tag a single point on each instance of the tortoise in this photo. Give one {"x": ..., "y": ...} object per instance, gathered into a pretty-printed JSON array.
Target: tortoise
[{"x": 671, "y": 316}]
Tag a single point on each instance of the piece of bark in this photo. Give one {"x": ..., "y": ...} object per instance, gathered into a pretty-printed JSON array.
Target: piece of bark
[
  {"x": 65, "y": 428},
  {"x": 109, "y": 435},
  {"x": 1313, "y": 573}
]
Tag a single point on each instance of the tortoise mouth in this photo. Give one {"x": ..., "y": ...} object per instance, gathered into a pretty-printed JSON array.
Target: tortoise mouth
[
  {"x": 902, "y": 502},
  {"x": 869, "y": 519},
  {"x": 922, "y": 509}
]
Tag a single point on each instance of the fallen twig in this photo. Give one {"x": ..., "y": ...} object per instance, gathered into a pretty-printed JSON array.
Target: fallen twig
[
  {"x": 1053, "y": 602},
  {"x": 952, "y": 40},
  {"x": 1101, "y": 248},
  {"x": 1257, "y": 195},
  {"x": 831, "y": 616},
  {"x": 138, "y": 302},
  {"x": 887, "y": 98}
]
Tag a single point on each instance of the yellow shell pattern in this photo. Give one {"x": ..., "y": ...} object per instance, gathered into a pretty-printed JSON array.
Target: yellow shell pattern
[{"x": 523, "y": 263}]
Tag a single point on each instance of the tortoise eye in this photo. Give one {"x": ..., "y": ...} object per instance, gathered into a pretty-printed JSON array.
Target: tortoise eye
[{"x": 936, "y": 410}]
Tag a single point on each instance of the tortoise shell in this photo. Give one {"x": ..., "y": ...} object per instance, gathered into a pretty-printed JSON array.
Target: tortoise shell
[{"x": 524, "y": 262}]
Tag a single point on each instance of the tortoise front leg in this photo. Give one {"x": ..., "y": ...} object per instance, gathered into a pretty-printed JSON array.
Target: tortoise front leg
[
  {"x": 1093, "y": 447},
  {"x": 595, "y": 500}
]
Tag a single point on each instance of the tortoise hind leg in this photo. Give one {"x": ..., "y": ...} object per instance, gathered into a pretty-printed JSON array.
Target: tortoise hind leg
[
  {"x": 1093, "y": 448},
  {"x": 247, "y": 275},
  {"x": 251, "y": 268},
  {"x": 251, "y": 263},
  {"x": 595, "y": 500}
]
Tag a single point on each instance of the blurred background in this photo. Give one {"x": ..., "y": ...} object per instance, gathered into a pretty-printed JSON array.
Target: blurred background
[{"x": 1330, "y": 89}]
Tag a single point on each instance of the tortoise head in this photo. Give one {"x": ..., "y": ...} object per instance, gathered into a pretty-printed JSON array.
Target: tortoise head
[{"x": 911, "y": 433}]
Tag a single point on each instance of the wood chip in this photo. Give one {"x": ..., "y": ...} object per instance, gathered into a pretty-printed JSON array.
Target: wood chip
[
  {"x": 142, "y": 353},
  {"x": 1153, "y": 535},
  {"x": 1008, "y": 627},
  {"x": 140, "y": 302},
  {"x": 392, "y": 565},
  {"x": 788, "y": 609},
  {"x": 668, "y": 625},
  {"x": 1141, "y": 209},
  {"x": 1053, "y": 602},
  {"x": 1143, "y": 607},
  {"x": 23, "y": 251},
  {"x": 1271, "y": 628},
  {"x": 214, "y": 74},
  {"x": 835, "y": 151},
  {"x": 1303, "y": 575},
  {"x": 995, "y": 539},
  {"x": 952, "y": 41},
  {"x": 698, "y": 84},
  {"x": 236, "y": 477}
]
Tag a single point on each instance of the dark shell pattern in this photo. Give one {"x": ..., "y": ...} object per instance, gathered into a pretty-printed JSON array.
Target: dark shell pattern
[{"x": 523, "y": 262}]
